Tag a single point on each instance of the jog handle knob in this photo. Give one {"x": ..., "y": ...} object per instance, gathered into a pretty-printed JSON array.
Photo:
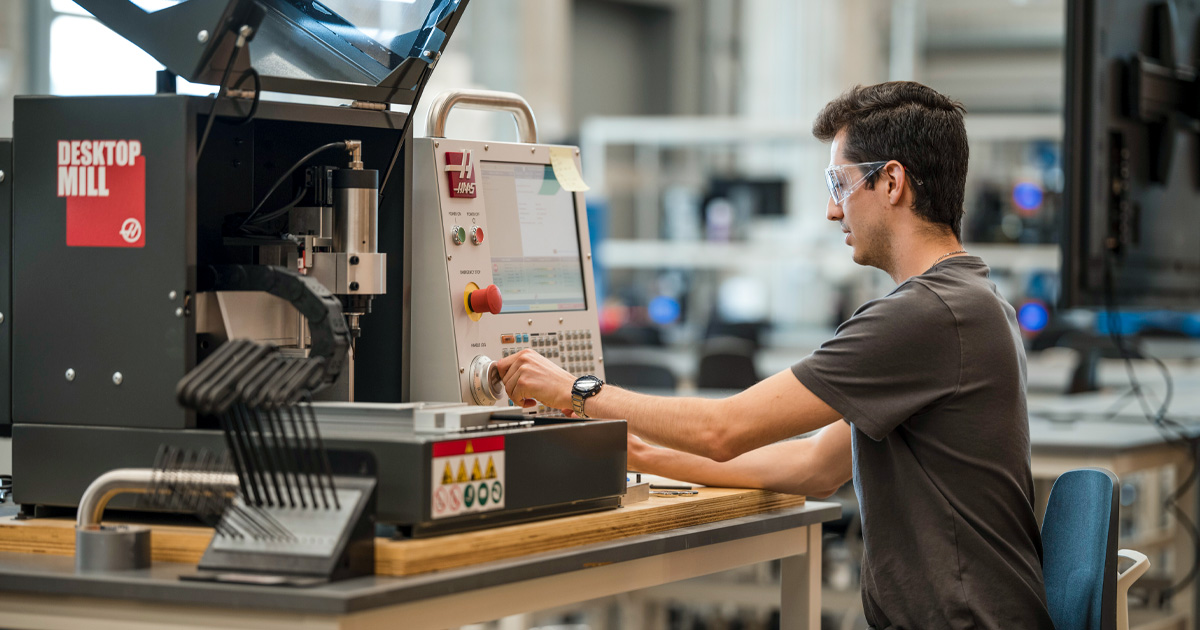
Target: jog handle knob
[{"x": 486, "y": 386}]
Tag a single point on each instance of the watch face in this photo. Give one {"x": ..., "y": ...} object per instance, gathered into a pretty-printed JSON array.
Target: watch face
[{"x": 587, "y": 383}]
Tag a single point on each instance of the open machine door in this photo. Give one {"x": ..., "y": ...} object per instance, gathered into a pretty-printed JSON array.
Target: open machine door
[{"x": 295, "y": 46}]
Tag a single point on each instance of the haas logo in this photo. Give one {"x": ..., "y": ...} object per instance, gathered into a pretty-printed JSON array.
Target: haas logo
[
  {"x": 131, "y": 230},
  {"x": 460, "y": 171}
]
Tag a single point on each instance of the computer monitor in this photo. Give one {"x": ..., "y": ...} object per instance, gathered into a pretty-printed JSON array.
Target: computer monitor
[
  {"x": 535, "y": 250},
  {"x": 1131, "y": 155}
]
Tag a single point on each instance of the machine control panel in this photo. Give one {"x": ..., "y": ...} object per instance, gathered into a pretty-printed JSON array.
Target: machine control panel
[{"x": 501, "y": 263}]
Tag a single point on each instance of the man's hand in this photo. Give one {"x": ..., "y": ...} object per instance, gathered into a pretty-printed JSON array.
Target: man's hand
[{"x": 530, "y": 378}]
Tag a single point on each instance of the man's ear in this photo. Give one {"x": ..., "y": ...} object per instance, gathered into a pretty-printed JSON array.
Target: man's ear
[{"x": 896, "y": 181}]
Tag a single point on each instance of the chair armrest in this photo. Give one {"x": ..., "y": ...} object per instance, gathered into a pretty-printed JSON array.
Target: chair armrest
[{"x": 1125, "y": 579}]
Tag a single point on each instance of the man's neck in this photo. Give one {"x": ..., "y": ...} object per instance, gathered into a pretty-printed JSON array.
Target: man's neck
[{"x": 915, "y": 251}]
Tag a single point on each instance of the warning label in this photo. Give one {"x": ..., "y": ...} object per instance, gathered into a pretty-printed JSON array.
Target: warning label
[{"x": 468, "y": 477}]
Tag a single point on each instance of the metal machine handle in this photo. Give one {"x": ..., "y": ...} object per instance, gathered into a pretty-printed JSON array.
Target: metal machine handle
[{"x": 487, "y": 100}]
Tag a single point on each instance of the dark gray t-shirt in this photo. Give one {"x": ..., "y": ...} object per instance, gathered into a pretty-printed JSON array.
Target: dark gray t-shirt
[{"x": 932, "y": 379}]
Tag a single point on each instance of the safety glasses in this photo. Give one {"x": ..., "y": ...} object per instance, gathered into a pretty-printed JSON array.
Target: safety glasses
[{"x": 841, "y": 180}]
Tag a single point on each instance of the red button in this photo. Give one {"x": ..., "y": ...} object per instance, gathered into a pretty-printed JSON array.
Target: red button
[
  {"x": 486, "y": 300},
  {"x": 477, "y": 235}
]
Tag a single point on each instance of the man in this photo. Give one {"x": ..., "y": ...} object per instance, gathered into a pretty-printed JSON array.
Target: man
[{"x": 930, "y": 382}]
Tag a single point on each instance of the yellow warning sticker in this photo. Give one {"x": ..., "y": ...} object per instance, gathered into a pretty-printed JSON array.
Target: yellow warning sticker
[
  {"x": 448, "y": 476},
  {"x": 462, "y": 473},
  {"x": 470, "y": 447},
  {"x": 491, "y": 470},
  {"x": 476, "y": 475}
]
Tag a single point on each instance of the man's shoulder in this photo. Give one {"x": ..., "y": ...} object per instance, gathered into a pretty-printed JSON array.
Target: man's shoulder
[{"x": 912, "y": 297}]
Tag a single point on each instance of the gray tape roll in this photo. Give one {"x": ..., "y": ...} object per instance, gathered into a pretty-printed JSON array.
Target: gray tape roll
[{"x": 112, "y": 548}]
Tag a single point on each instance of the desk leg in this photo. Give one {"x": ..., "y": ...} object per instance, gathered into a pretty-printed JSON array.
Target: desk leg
[{"x": 800, "y": 586}]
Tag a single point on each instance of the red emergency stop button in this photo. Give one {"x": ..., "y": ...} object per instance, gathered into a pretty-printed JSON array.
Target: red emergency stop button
[
  {"x": 486, "y": 300},
  {"x": 477, "y": 235}
]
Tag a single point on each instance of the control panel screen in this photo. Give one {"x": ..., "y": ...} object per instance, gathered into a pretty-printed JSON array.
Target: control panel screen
[{"x": 534, "y": 238}]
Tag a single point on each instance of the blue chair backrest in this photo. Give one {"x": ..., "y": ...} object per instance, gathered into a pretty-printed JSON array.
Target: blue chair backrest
[{"x": 1079, "y": 550}]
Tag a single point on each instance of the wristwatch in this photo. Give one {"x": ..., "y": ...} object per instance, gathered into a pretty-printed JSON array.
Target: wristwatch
[{"x": 584, "y": 388}]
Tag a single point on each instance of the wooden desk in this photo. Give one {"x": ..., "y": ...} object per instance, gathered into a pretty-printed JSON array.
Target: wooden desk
[{"x": 448, "y": 581}]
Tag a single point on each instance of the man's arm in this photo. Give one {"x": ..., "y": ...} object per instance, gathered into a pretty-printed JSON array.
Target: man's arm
[
  {"x": 814, "y": 466},
  {"x": 774, "y": 409}
]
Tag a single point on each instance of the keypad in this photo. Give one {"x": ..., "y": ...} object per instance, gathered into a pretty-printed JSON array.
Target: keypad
[{"x": 572, "y": 349}]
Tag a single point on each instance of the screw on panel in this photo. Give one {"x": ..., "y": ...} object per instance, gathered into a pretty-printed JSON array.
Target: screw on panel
[
  {"x": 172, "y": 295},
  {"x": 485, "y": 148},
  {"x": 462, "y": 370},
  {"x": 117, "y": 378},
  {"x": 354, "y": 260},
  {"x": 530, "y": 323},
  {"x": 532, "y": 149},
  {"x": 1, "y": 176},
  {"x": 1, "y": 318},
  {"x": 70, "y": 374},
  {"x": 179, "y": 312},
  {"x": 437, "y": 144},
  {"x": 202, "y": 36},
  {"x": 560, "y": 320},
  {"x": 353, "y": 286}
]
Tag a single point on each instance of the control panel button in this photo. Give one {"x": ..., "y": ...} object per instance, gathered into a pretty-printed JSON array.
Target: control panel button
[
  {"x": 507, "y": 339},
  {"x": 477, "y": 235},
  {"x": 458, "y": 235},
  {"x": 486, "y": 300}
]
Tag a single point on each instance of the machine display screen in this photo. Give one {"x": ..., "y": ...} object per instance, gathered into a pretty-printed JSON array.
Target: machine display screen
[{"x": 534, "y": 238}]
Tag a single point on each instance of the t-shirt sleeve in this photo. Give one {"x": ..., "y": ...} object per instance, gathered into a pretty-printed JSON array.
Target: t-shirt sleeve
[{"x": 895, "y": 358}]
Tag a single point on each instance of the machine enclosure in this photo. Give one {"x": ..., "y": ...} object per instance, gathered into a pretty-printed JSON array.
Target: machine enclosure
[{"x": 100, "y": 311}]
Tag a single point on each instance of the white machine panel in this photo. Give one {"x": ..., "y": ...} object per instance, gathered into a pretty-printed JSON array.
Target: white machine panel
[{"x": 491, "y": 213}]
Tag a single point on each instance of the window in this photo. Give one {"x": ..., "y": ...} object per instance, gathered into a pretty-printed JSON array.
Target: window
[{"x": 88, "y": 58}]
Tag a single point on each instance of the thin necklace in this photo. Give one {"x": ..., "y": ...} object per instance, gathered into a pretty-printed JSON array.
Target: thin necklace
[{"x": 947, "y": 254}]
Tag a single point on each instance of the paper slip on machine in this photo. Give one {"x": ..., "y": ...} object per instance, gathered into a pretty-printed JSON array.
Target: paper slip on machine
[{"x": 246, "y": 300}]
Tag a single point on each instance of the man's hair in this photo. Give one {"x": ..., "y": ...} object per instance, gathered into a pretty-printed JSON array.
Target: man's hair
[{"x": 914, "y": 125}]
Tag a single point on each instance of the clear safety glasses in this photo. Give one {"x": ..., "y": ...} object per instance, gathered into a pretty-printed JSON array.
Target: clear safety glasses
[{"x": 841, "y": 179}]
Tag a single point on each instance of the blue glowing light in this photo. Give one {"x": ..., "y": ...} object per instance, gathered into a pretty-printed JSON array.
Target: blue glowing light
[
  {"x": 1027, "y": 196},
  {"x": 1033, "y": 316},
  {"x": 663, "y": 310}
]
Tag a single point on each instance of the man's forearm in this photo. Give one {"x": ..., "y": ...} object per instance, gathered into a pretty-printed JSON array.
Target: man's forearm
[
  {"x": 679, "y": 423},
  {"x": 815, "y": 466},
  {"x": 775, "y": 409}
]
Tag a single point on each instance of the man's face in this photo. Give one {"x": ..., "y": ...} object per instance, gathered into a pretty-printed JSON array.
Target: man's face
[{"x": 862, "y": 216}]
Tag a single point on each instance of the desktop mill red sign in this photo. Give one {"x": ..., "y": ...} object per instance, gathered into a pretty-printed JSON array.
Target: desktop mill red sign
[
  {"x": 104, "y": 183},
  {"x": 460, "y": 170}
]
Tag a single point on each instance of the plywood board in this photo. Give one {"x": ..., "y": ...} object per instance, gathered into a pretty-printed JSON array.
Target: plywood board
[{"x": 409, "y": 557}]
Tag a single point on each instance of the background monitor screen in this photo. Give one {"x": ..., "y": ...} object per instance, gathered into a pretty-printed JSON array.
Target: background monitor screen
[
  {"x": 534, "y": 238},
  {"x": 1130, "y": 155}
]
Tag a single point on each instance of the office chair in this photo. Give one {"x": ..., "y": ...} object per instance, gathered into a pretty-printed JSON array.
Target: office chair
[
  {"x": 641, "y": 376},
  {"x": 1079, "y": 554},
  {"x": 726, "y": 363}
]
